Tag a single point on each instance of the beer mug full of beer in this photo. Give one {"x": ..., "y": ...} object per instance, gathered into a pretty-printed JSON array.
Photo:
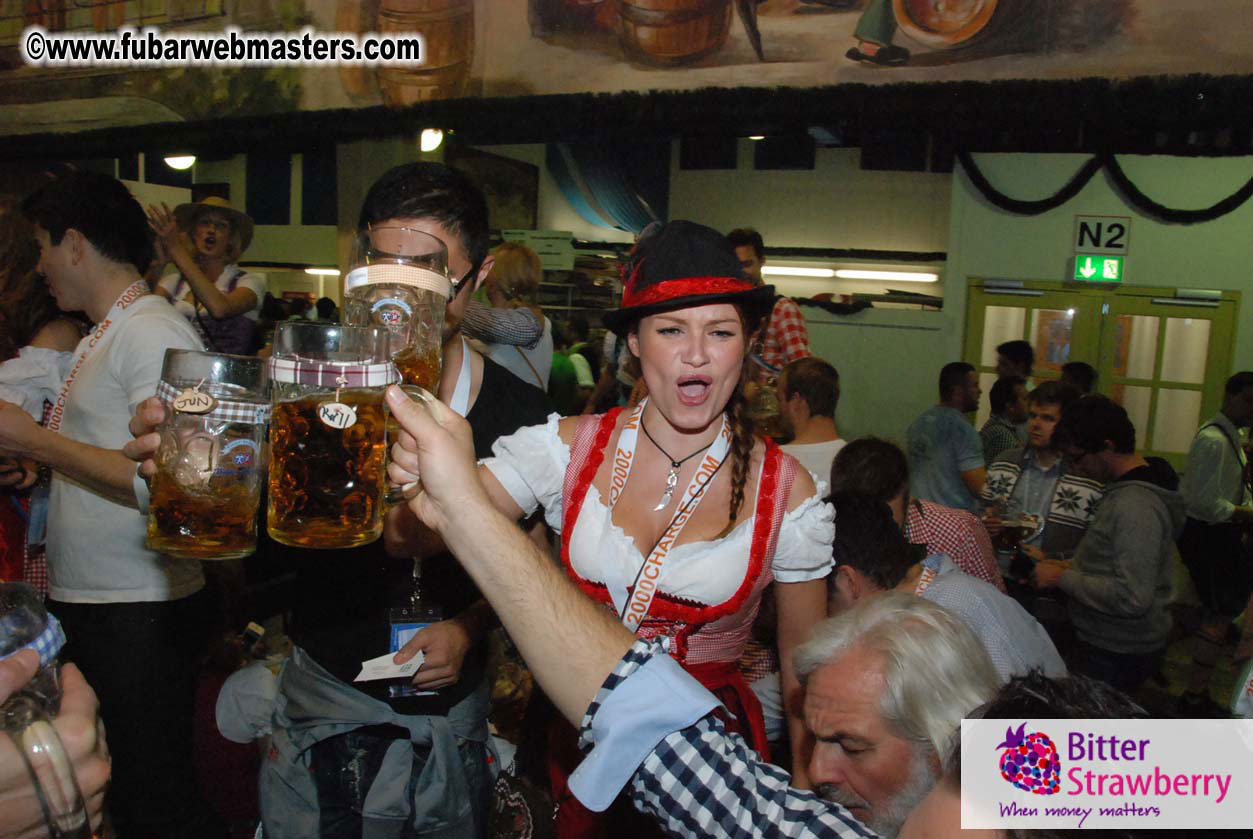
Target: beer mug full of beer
[
  {"x": 210, "y": 469},
  {"x": 398, "y": 280},
  {"x": 328, "y": 437}
]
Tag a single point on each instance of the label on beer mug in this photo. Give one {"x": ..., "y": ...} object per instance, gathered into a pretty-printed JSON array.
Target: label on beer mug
[
  {"x": 337, "y": 415},
  {"x": 391, "y": 311},
  {"x": 192, "y": 401}
]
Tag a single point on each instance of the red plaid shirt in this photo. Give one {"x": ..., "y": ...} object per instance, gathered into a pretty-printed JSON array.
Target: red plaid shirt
[
  {"x": 956, "y": 533},
  {"x": 787, "y": 338}
]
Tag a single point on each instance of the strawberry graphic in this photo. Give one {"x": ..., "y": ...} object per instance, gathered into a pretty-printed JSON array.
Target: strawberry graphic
[{"x": 1030, "y": 762}]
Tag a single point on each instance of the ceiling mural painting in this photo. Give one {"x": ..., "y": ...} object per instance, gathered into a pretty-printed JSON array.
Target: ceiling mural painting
[{"x": 499, "y": 48}]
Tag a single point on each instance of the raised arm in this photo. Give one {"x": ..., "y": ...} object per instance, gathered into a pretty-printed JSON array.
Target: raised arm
[
  {"x": 521, "y": 327},
  {"x": 536, "y": 603},
  {"x": 220, "y": 304}
]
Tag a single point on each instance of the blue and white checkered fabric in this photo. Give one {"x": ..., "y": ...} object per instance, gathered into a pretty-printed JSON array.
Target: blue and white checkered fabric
[
  {"x": 47, "y": 644},
  {"x": 701, "y": 781}
]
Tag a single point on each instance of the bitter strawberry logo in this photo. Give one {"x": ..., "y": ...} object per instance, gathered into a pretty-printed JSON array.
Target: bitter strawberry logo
[{"x": 1030, "y": 761}]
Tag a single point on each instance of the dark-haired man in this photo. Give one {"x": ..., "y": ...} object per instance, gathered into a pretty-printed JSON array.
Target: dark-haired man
[
  {"x": 350, "y": 756},
  {"x": 878, "y": 469},
  {"x": 808, "y": 390},
  {"x": 1009, "y": 411},
  {"x": 1080, "y": 375},
  {"x": 1220, "y": 514},
  {"x": 945, "y": 453},
  {"x": 872, "y": 557},
  {"x": 133, "y": 617},
  {"x": 784, "y": 337},
  {"x": 1120, "y": 581},
  {"x": 1015, "y": 358},
  {"x": 1036, "y": 480}
]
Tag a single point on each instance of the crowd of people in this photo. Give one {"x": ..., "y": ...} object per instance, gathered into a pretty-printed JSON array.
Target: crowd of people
[{"x": 753, "y": 637}]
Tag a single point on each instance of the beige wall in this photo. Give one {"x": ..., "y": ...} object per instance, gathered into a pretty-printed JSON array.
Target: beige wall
[{"x": 834, "y": 205}]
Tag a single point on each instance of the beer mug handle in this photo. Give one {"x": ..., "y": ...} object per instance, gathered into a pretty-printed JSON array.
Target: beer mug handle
[
  {"x": 51, "y": 772},
  {"x": 407, "y": 492}
]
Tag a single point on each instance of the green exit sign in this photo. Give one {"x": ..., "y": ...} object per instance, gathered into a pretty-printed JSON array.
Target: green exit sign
[{"x": 1098, "y": 268}]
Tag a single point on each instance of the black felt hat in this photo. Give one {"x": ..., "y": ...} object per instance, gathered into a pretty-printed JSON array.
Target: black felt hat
[{"x": 680, "y": 265}]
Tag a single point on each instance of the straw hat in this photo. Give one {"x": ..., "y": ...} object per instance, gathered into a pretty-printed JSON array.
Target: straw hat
[
  {"x": 188, "y": 214},
  {"x": 683, "y": 264}
]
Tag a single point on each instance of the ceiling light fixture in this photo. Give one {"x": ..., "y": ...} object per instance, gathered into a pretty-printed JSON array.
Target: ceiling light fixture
[
  {"x": 789, "y": 271},
  {"x": 430, "y": 139},
  {"x": 757, "y": 136},
  {"x": 180, "y": 161},
  {"x": 895, "y": 276}
]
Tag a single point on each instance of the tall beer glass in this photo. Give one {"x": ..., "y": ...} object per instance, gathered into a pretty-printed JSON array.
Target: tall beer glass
[
  {"x": 398, "y": 280},
  {"x": 207, "y": 486},
  {"x": 328, "y": 434}
]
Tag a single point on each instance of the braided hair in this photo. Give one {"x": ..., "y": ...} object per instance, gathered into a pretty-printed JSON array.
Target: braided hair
[
  {"x": 743, "y": 438},
  {"x": 743, "y": 429}
]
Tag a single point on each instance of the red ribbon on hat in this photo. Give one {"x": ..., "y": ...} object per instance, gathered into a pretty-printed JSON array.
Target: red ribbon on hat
[{"x": 667, "y": 290}]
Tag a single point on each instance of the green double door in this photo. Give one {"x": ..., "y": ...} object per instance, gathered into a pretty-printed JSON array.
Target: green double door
[{"x": 1162, "y": 356}]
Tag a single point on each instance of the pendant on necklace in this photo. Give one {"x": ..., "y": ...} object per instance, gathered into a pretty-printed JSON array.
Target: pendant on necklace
[{"x": 672, "y": 481}]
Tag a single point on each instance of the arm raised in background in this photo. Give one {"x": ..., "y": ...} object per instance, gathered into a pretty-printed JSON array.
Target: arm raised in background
[
  {"x": 219, "y": 304},
  {"x": 520, "y": 327}
]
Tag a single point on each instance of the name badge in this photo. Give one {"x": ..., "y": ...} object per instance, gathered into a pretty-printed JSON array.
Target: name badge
[
  {"x": 192, "y": 401},
  {"x": 337, "y": 415}
]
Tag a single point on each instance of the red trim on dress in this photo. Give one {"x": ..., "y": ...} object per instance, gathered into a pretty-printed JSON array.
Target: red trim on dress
[{"x": 669, "y": 608}]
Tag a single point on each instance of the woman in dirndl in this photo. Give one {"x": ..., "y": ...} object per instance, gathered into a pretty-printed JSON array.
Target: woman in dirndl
[{"x": 675, "y": 514}]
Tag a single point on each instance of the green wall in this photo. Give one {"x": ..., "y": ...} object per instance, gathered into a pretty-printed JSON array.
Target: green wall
[{"x": 986, "y": 242}]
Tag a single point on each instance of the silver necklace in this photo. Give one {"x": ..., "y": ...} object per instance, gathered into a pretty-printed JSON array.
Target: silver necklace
[{"x": 672, "y": 479}]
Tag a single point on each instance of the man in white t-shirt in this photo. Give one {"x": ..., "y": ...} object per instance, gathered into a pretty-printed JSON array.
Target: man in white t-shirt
[
  {"x": 132, "y": 617},
  {"x": 808, "y": 391}
]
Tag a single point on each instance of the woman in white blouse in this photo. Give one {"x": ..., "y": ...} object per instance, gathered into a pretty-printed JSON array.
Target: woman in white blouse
[{"x": 675, "y": 514}]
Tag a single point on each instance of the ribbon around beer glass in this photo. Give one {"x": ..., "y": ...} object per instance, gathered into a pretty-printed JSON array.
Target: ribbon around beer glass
[
  {"x": 388, "y": 273},
  {"x": 317, "y": 373},
  {"x": 225, "y": 410}
]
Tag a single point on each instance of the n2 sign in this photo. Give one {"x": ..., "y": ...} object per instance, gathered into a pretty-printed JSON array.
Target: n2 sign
[{"x": 1102, "y": 234}]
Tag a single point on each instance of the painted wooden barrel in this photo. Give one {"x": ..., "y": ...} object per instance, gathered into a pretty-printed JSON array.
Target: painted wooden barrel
[
  {"x": 556, "y": 17},
  {"x": 667, "y": 32},
  {"x": 448, "y": 27},
  {"x": 948, "y": 24}
]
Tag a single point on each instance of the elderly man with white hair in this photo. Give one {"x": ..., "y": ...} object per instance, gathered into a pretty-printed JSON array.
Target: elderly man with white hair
[{"x": 886, "y": 683}]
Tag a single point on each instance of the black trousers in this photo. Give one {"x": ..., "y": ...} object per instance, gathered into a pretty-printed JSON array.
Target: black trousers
[{"x": 140, "y": 659}]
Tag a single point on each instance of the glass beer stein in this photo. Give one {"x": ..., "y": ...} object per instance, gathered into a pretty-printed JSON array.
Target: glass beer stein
[
  {"x": 398, "y": 280},
  {"x": 26, "y": 716},
  {"x": 208, "y": 482},
  {"x": 328, "y": 436}
]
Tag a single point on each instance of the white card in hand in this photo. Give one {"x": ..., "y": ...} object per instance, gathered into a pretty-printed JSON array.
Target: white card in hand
[{"x": 382, "y": 667}]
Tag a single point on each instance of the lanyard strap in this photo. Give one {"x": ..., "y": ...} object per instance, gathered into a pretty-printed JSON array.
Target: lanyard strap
[
  {"x": 136, "y": 290},
  {"x": 925, "y": 579},
  {"x": 648, "y": 578}
]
